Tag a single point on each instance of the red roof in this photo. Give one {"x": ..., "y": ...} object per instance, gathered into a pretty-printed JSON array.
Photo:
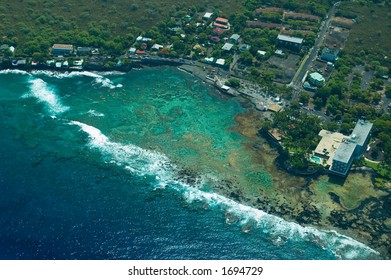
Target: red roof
[
  {"x": 222, "y": 20},
  {"x": 215, "y": 24},
  {"x": 215, "y": 39},
  {"x": 140, "y": 52},
  {"x": 218, "y": 31}
]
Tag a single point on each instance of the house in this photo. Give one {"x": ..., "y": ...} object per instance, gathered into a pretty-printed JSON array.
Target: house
[
  {"x": 61, "y": 49},
  {"x": 221, "y": 23},
  {"x": 234, "y": 39},
  {"x": 289, "y": 42},
  {"x": 132, "y": 50},
  {"x": 329, "y": 54},
  {"x": 220, "y": 61},
  {"x": 83, "y": 51},
  {"x": 244, "y": 47},
  {"x": 207, "y": 16},
  {"x": 316, "y": 79},
  {"x": 227, "y": 47},
  {"x": 156, "y": 47},
  {"x": 215, "y": 39},
  {"x": 261, "y": 53},
  {"x": 218, "y": 32}
]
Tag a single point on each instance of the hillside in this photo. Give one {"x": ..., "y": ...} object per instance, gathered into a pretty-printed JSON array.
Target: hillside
[{"x": 36, "y": 24}]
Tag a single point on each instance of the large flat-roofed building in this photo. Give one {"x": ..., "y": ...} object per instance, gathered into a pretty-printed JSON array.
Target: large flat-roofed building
[
  {"x": 61, "y": 49},
  {"x": 343, "y": 158},
  {"x": 289, "y": 42},
  {"x": 360, "y": 136},
  {"x": 338, "y": 151},
  {"x": 327, "y": 147},
  {"x": 351, "y": 148}
]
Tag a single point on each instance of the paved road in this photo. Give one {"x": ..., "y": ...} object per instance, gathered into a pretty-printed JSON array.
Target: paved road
[{"x": 296, "y": 82}]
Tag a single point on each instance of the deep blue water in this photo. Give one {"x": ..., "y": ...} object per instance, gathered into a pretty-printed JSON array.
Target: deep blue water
[{"x": 71, "y": 191}]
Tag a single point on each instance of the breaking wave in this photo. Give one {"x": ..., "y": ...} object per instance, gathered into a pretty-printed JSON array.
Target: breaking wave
[
  {"x": 45, "y": 94},
  {"x": 14, "y": 71},
  {"x": 144, "y": 162},
  {"x": 98, "y": 79}
]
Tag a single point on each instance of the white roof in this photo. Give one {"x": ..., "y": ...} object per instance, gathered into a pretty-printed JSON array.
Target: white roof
[
  {"x": 139, "y": 38},
  {"x": 227, "y": 46},
  {"x": 220, "y": 61},
  {"x": 207, "y": 15},
  {"x": 225, "y": 87},
  {"x": 157, "y": 46},
  {"x": 209, "y": 59},
  {"x": 290, "y": 39},
  {"x": 262, "y": 52}
]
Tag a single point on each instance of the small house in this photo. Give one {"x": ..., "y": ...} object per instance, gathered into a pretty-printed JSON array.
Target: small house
[
  {"x": 132, "y": 50},
  {"x": 244, "y": 47},
  {"x": 329, "y": 54},
  {"x": 220, "y": 61},
  {"x": 316, "y": 79},
  {"x": 227, "y": 47},
  {"x": 234, "y": 38},
  {"x": 207, "y": 16}
]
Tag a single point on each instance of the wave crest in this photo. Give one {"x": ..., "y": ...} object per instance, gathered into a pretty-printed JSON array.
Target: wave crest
[
  {"x": 143, "y": 162},
  {"x": 40, "y": 90}
]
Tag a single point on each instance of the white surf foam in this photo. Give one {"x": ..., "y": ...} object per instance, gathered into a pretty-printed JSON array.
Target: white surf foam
[
  {"x": 95, "y": 113},
  {"x": 14, "y": 71},
  {"x": 98, "y": 79},
  {"x": 39, "y": 89},
  {"x": 143, "y": 162}
]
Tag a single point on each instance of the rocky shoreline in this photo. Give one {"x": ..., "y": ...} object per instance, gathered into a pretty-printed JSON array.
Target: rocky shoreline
[{"x": 365, "y": 223}]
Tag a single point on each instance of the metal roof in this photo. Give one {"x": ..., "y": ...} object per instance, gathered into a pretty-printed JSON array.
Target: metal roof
[{"x": 291, "y": 39}]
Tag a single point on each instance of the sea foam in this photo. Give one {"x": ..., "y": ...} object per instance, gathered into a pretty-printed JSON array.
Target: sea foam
[
  {"x": 44, "y": 93},
  {"x": 143, "y": 162},
  {"x": 98, "y": 79},
  {"x": 14, "y": 71}
]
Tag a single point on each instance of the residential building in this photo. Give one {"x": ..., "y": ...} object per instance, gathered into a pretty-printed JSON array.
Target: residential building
[
  {"x": 227, "y": 47},
  {"x": 329, "y": 54},
  {"x": 244, "y": 47},
  {"x": 221, "y": 23},
  {"x": 234, "y": 38},
  {"x": 289, "y": 42},
  {"x": 316, "y": 79},
  {"x": 83, "y": 51},
  {"x": 220, "y": 61},
  {"x": 61, "y": 49},
  {"x": 207, "y": 15}
]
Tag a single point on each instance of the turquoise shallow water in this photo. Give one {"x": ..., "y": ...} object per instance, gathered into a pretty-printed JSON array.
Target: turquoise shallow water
[{"x": 125, "y": 166}]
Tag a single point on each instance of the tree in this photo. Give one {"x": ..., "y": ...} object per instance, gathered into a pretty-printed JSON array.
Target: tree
[
  {"x": 235, "y": 83},
  {"x": 304, "y": 97}
]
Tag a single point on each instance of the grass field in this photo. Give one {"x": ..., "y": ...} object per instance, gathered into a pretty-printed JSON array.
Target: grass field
[{"x": 371, "y": 32}]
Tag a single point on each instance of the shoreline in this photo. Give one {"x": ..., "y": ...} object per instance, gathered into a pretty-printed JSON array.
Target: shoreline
[{"x": 263, "y": 203}]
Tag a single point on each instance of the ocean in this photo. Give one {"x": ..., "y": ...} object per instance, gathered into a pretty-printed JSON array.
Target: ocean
[{"x": 126, "y": 166}]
